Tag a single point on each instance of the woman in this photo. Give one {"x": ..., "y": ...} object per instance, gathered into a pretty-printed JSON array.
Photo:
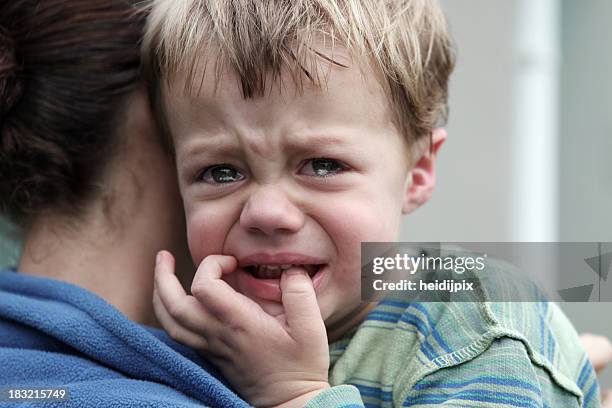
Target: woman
[{"x": 83, "y": 172}]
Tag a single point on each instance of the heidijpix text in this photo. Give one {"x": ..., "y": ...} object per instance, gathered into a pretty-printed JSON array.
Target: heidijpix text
[{"x": 411, "y": 264}]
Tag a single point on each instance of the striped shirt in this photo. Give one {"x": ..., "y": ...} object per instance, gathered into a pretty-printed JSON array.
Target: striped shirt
[{"x": 493, "y": 354}]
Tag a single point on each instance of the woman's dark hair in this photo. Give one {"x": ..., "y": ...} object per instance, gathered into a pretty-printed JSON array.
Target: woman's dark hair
[{"x": 66, "y": 67}]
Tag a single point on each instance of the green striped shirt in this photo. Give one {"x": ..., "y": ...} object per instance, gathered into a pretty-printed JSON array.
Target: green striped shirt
[{"x": 493, "y": 354}]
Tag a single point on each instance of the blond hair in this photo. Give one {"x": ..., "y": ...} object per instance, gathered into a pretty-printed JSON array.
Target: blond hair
[{"x": 405, "y": 40}]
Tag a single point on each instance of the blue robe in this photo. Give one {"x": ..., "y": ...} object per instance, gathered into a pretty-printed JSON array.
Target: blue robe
[{"x": 54, "y": 334}]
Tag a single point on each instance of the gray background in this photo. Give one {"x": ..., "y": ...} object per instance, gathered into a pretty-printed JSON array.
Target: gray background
[
  {"x": 473, "y": 201},
  {"x": 488, "y": 188}
]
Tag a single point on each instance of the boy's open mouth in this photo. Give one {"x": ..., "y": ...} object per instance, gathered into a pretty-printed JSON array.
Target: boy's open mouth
[{"x": 275, "y": 271}]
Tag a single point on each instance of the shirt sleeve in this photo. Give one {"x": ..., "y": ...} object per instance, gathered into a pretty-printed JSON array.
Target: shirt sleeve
[
  {"x": 340, "y": 396},
  {"x": 502, "y": 376}
]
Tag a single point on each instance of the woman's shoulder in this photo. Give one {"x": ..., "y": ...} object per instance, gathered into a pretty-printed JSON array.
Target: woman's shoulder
[{"x": 78, "y": 339}]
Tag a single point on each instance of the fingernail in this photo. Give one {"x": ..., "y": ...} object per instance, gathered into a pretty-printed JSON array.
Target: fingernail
[
  {"x": 294, "y": 271},
  {"x": 158, "y": 258}
]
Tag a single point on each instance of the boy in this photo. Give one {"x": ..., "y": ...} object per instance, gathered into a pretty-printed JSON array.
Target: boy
[{"x": 300, "y": 129}]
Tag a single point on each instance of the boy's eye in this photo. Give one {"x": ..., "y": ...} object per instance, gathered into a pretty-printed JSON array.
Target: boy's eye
[
  {"x": 221, "y": 174},
  {"x": 323, "y": 167}
]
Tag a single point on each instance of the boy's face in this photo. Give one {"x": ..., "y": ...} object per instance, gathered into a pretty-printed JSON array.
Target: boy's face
[{"x": 291, "y": 178}]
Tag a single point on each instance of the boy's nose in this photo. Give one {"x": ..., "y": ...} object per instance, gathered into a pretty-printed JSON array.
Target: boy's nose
[{"x": 269, "y": 210}]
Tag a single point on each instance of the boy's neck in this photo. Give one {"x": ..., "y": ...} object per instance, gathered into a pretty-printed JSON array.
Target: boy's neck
[{"x": 336, "y": 331}]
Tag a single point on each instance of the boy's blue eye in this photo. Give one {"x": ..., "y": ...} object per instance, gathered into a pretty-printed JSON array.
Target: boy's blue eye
[
  {"x": 221, "y": 174},
  {"x": 322, "y": 167}
]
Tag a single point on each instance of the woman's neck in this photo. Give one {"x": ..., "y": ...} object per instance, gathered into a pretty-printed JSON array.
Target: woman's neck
[{"x": 111, "y": 264}]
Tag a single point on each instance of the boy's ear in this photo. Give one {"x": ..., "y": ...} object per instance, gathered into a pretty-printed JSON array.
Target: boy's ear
[{"x": 422, "y": 177}]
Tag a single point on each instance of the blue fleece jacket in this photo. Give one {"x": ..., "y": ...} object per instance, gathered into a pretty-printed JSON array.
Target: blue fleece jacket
[{"x": 54, "y": 334}]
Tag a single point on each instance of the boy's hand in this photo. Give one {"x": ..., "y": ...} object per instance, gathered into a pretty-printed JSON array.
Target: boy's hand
[
  {"x": 599, "y": 351},
  {"x": 271, "y": 361}
]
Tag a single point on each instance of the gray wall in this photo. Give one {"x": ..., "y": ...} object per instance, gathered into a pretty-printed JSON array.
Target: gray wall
[
  {"x": 586, "y": 135},
  {"x": 586, "y": 142},
  {"x": 9, "y": 247},
  {"x": 472, "y": 199}
]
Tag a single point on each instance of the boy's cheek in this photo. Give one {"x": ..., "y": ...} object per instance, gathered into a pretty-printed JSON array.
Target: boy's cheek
[
  {"x": 231, "y": 280},
  {"x": 362, "y": 224},
  {"x": 203, "y": 236},
  {"x": 195, "y": 245}
]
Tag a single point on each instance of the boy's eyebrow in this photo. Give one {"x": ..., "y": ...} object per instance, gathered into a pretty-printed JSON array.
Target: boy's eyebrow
[
  {"x": 219, "y": 145},
  {"x": 310, "y": 140},
  {"x": 209, "y": 145}
]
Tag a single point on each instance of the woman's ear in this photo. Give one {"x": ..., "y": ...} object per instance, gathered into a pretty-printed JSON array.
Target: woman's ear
[{"x": 422, "y": 177}]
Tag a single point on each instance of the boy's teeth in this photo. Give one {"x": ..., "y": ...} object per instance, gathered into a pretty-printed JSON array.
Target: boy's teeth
[{"x": 275, "y": 271}]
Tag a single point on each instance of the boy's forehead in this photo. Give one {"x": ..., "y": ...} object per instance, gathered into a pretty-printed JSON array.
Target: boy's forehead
[
  {"x": 211, "y": 90},
  {"x": 328, "y": 65}
]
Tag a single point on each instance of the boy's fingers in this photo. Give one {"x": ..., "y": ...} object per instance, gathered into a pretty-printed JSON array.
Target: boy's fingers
[
  {"x": 606, "y": 398},
  {"x": 215, "y": 294},
  {"x": 217, "y": 265},
  {"x": 301, "y": 308},
  {"x": 165, "y": 279},
  {"x": 207, "y": 343},
  {"x": 167, "y": 286},
  {"x": 598, "y": 349},
  {"x": 186, "y": 310},
  {"x": 175, "y": 330}
]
